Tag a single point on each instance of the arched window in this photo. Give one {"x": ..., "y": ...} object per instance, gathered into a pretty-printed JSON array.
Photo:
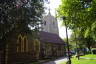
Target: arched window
[
  {"x": 25, "y": 44},
  {"x": 37, "y": 45},
  {"x": 36, "y": 48},
  {"x": 19, "y": 43}
]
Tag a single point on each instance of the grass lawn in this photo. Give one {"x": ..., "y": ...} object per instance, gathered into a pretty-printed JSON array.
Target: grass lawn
[
  {"x": 83, "y": 61},
  {"x": 76, "y": 61}
]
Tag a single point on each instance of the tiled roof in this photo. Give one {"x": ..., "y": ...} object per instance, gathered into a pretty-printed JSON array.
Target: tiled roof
[{"x": 50, "y": 38}]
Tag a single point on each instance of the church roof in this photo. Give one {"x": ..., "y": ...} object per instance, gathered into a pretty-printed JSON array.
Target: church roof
[
  {"x": 50, "y": 38},
  {"x": 49, "y": 15}
]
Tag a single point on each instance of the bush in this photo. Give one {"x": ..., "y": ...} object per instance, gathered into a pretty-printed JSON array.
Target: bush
[{"x": 94, "y": 51}]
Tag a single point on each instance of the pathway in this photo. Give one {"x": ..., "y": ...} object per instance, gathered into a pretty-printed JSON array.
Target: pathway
[
  {"x": 88, "y": 58},
  {"x": 57, "y": 61}
]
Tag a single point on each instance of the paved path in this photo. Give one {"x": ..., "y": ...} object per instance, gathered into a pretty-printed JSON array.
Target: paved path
[
  {"x": 57, "y": 61},
  {"x": 88, "y": 58}
]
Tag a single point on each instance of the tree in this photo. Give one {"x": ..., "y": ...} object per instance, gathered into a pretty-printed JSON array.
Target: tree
[
  {"x": 80, "y": 16},
  {"x": 20, "y": 14}
]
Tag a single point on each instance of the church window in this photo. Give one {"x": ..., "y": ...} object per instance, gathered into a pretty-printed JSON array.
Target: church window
[
  {"x": 37, "y": 45},
  {"x": 22, "y": 44},
  {"x": 25, "y": 44},
  {"x": 19, "y": 43},
  {"x": 36, "y": 48}
]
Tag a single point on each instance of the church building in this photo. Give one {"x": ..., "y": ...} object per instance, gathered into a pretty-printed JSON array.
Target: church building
[
  {"x": 51, "y": 44},
  {"x": 50, "y": 24},
  {"x": 22, "y": 48}
]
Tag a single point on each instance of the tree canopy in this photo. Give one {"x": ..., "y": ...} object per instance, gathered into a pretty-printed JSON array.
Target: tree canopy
[
  {"x": 80, "y": 16},
  {"x": 21, "y": 14}
]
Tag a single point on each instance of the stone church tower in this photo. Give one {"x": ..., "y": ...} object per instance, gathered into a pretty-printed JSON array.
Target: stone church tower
[{"x": 50, "y": 24}]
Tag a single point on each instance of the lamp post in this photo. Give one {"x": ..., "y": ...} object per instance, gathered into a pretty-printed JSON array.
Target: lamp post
[{"x": 69, "y": 58}]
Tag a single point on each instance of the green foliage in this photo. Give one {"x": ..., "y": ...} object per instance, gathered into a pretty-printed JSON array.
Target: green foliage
[
  {"x": 80, "y": 16},
  {"x": 74, "y": 60},
  {"x": 20, "y": 14},
  {"x": 84, "y": 61},
  {"x": 23, "y": 16}
]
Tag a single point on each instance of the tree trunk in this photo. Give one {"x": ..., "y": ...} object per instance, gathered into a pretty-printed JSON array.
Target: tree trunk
[{"x": 89, "y": 49}]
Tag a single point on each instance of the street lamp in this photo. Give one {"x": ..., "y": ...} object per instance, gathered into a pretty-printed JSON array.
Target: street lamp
[{"x": 69, "y": 57}]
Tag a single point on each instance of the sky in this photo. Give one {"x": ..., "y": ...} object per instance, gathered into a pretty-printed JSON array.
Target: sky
[{"x": 53, "y": 5}]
